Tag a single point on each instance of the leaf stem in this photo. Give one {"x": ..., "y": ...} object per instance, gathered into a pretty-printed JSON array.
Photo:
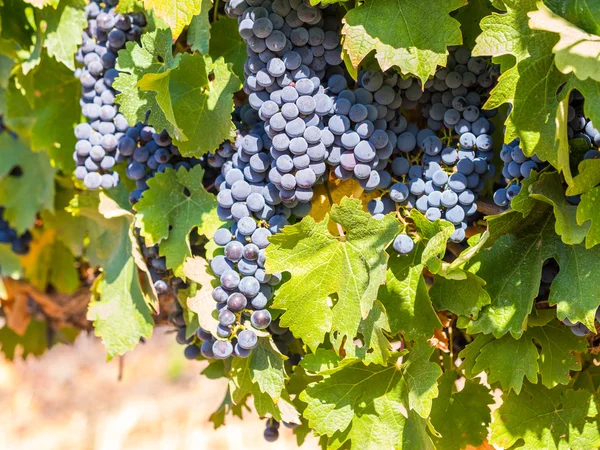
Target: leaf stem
[
  {"x": 216, "y": 11},
  {"x": 328, "y": 192}
]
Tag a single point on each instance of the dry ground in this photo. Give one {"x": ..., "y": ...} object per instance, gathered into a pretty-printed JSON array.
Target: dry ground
[{"x": 71, "y": 398}]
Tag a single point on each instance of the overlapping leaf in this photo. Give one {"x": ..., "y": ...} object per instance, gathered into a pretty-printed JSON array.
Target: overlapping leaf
[
  {"x": 510, "y": 360},
  {"x": 121, "y": 312},
  {"x": 176, "y": 13},
  {"x": 547, "y": 418},
  {"x": 24, "y": 175},
  {"x": 364, "y": 403},
  {"x": 519, "y": 245},
  {"x": 460, "y": 417},
  {"x": 416, "y": 43},
  {"x": 175, "y": 204},
  {"x": 323, "y": 265}
]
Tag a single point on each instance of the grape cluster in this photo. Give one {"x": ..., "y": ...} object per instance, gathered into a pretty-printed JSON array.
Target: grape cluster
[
  {"x": 292, "y": 47},
  {"x": 148, "y": 153},
  {"x": 517, "y": 167},
  {"x": 18, "y": 243},
  {"x": 580, "y": 127},
  {"x": 365, "y": 124},
  {"x": 96, "y": 150}
]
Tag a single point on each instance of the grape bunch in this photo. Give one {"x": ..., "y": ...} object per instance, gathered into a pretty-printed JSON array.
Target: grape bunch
[
  {"x": 148, "y": 153},
  {"x": 96, "y": 149},
  {"x": 580, "y": 127},
  {"x": 292, "y": 48},
  {"x": 18, "y": 243},
  {"x": 517, "y": 167}
]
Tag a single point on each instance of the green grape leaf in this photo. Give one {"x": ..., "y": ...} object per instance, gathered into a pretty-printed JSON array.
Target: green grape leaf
[
  {"x": 152, "y": 56},
  {"x": 405, "y": 297},
  {"x": 371, "y": 345},
  {"x": 509, "y": 360},
  {"x": 355, "y": 400},
  {"x": 174, "y": 204},
  {"x": 198, "y": 34},
  {"x": 227, "y": 407},
  {"x": 45, "y": 109},
  {"x": 121, "y": 312},
  {"x": 197, "y": 98},
  {"x": 320, "y": 361},
  {"x": 176, "y": 13},
  {"x": 588, "y": 210},
  {"x": 405, "y": 294},
  {"x": 462, "y": 297},
  {"x": 546, "y": 418},
  {"x": 321, "y": 265},
  {"x": 470, "y": 17},
  {"x": 418, "y": 41},
  {"x": 576, "y": 51},
  {"x": 584, "y": 13},
  {"x": 64, "y": 27},
  {"x": 549, "y": 189},
  {"x": 506, "y": 360},
  {"x": 520, "y": 245},
  {"x": 24, "y": 175},
  {"x": 33, "y": 342},
  {"x": 227, "y": 43},
  {"x": 263, "y": 368},
  {"x": 460, "y": 417},
  {"x": 10, "y": 264},
  {"x": 50, "y": 262}
]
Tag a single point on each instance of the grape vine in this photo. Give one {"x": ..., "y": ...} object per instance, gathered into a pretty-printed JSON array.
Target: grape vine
[{"x": 370, "y": 218}]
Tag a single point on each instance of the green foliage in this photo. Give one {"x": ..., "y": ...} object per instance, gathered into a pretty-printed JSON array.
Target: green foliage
[
  {"x": 367, "y": 28},
  {"x": 547, "y": 418},
  {"x": 351, "y": 266},
  {"x": 387, "y": 349},
  {"x": 175, "y": 204}
]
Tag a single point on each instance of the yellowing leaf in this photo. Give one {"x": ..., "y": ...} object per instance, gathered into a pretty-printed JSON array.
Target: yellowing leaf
[{"x": 176, "y": 13}]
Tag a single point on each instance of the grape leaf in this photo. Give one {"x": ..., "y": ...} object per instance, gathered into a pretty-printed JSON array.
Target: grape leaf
[
  {"x": 521, "y": 245},
  {"x": 363, "y": 403},
  {"x": 45, "y": 109},
  {"x": 405, "y": 294},
  {"x": 576, "y": 51},
  {"x": 321, "y": 264},
  {"x": 35, "y": 183},
  {"x": 197, "y": 98},
  {"x": 584, "y": 13},
  {"x": 418, "y": 41},
  {"x": 509, "y": 361},
  {"x": 33, "y": 342},
  {"x": 176, "y": 13},
  {"x": 152, "y": 56},
  {"x": 371, "y": 345},
  {"x": 227, "y": 406},
  {"x": 122, "y": 314},
  {"x": 201, "y": 301},
  {"x": 64, "y": 27},
  {"x": 50, "y": 262},
  {"x": 462, "y": 297},
  {"x": 546, "y": 418},
  {"x": 549, "y": 189},
  {"x": 264, "y": 367},
  {"x": 321, "y": 360},
  {"x": 15, "y": 25},
  {"x": 226, "y": 42},
  {"x": 10, "y": 264},
  {"x": 198, "y": 34},
  {"x": 470, "y": 17},
  {"x": 461, "y": 417},
  {"x": 587, "y": 210},
  {"x": 174, "y": 204}
]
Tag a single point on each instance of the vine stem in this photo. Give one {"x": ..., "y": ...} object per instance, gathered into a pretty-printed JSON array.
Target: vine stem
[{"x": 216, "y": 11}]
